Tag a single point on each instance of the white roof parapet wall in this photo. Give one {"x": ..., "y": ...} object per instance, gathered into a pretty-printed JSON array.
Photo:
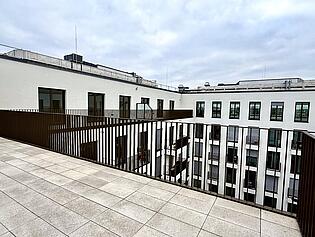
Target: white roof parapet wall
[{"x": 98, "y": 70}]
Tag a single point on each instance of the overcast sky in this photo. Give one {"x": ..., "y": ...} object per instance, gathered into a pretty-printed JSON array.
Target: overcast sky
[{"x": 174, "y": 41}]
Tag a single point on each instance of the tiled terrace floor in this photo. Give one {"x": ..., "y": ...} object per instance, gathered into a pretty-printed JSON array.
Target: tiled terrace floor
[{"x": 47, "y": 194}]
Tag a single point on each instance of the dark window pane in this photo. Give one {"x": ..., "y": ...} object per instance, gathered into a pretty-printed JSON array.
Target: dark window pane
[
  {"x": 271, "y": 184},
  {"x": 159, "y": 108},
  {"x": 270, "y": 202},
  {"x": 230, "y": 191},
  {"x": 234, "y": 110},
  {"x": 51, "y": 100},
  {"x": 200, "y": 109},
  {"x": 215, "y": 132},
  {"x": 301, "y": 112},
  {"x": 276, "y": 113},
  {"x": 124, "y": 106},
  {"x": 273, "y": 160},
  {"x": 254, "y": 110},
  {"x": 295, "y": 164},
  {"x": 250, "y": 179},
  {"x": 216, "y": 109},
  {"x": 274, "y": 137},
  {"x": 230, "y": 175},
  {"x": 199, "y": 130}
]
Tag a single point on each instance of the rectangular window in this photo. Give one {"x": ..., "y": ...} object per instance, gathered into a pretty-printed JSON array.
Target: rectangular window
[
  {"x": 235, "y": 110},
  {"x": 96, "y": 104},
  {"x": 158, "y": 144},
  {"x": 172, "y": 104},
  {"x": 171, "y": 135},
  {"x": 215, "y": 132},
  {"x": 231, "y": 175},
  {"x": 233, "y": 134},
  {"x": 216, "y": 109},
  {"x": 197, "y": 183},
  {"x": 213, "y": 188},
  {"x": 199, "y": 130},
  {"x": 253, "y": 136},
  {"x": 200, "y": 109},
  {"x": 293, "y": 188},
  {"x": 121, "y": 150},
  {"x": 276, "y": 113},
  {"x": 198, "y": 149},
  {"x": 301, "y": 112},
  {"x": 213, "y": 172},
  {"x": 251, "y": 157},
  {"x": 249, "y": 197},
  {"x": 145, "y": 100},
  {"x": 254, "y": 110},
  {"x": 232, "y": 155},
  {"x": 273, "y": 160},
  {"x": 197, "y": 168},
  {"x": 250, "y": 179},
  {"x": 271, "y": 184},
  {"x": 51, "y": 100},
  {"x": 159, "y": 108},
  {"x": 274, "y": 137},
  {"x": 292, "y": 208},
  {"x": 270, "y": 202},
  {"x": 214, "y": 152},
  {"x": 124, "y": 106},
  {"x": 295, "y": 164},
  {"x": 230, "y": 191},
  {"x": 297, "y": 140}
]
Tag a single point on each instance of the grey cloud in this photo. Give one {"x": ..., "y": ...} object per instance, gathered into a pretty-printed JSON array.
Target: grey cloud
[{"x": 176, "y": 41}]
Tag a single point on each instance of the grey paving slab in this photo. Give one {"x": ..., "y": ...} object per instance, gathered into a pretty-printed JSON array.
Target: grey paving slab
[
  {"x": 21, "y": 193},
  {"x": 138, "y": 178},
  {"x": 8, "y": 234},
  {"x": 58, "y": 179},
  {"x": 85, "y": 207},
  {"x": 133, "y": 211},
  {"x": 118, "y": 189},
  {"x": 270, "y": 229},
  {"x": 14, "y": 215},
  {"x": 252, "y": 211},
  {"x": 37, "y": 228},
  {"x": 93, "y": 181},
  {"x": 41, "y": 205},
  {"x": 109, "y": 177},
  {"x": 172, "y": 227},
  {"x": 146, "y": 231},
  {"x": 91, "y": 229},
  {"x": 204, "y": 233},
  {"x": 235, "y": 217},
  {"x": 192, "y": 203},
  {"x": 42, "y": 173},
  {"x": 72, "y": 174},
  {"x": 102, "y": 198},
  {"x": 224, "y": 228},
  {"x": 61, "y": 195},
  {"x": 3, "y": 230},
  {"x": 24, "y": 177},
  {"x": 57, "y": 168},
  {"x": 77, "y": 187},
  {"x": 183, "y": 214},
  {"x": 157, "y": 192},
  {"x": 147, "y": 201},
  {"x": 6, "y": 182},
  {"x": 117, "y": 223},
  {"x": 165, "y": 186},
  {"x": 64, "y": 219},
  {"x": 86, "y": 170},
  {"x": 279, "y": 219}
]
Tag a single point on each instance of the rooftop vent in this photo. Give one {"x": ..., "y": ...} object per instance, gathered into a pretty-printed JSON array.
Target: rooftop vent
[
  {"x": 74, "y": 58},
  {"x": 207, "y": 84},
  {"x": 181, "y": 88}
]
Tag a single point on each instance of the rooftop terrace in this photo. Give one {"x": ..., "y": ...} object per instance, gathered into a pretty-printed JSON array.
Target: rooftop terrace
[{"x": 43, "y": 193}]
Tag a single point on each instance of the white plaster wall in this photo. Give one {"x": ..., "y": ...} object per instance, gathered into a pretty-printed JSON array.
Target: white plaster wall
[{"x": 19, "y": 84}]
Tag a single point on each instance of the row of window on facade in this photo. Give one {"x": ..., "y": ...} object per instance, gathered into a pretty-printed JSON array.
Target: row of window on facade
[
  {"x": 53, "y": 100},
  {"x": 276, "y": 111}
]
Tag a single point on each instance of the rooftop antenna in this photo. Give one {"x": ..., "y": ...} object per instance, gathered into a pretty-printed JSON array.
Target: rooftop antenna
[{"x": 76, "y": 39}]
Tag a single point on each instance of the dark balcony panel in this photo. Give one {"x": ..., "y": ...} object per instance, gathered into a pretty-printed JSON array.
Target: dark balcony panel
[
  {"x": 181, "y": 142},
  {"x": 178, "y": 168}
]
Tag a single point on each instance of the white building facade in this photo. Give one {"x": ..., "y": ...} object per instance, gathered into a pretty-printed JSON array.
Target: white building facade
[{"x": 243, "y": 140}]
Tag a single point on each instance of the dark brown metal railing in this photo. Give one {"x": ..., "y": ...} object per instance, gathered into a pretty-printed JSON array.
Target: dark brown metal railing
[
  {"x": 211, "y": 158},
  {"x": 306, "y": 207}
]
